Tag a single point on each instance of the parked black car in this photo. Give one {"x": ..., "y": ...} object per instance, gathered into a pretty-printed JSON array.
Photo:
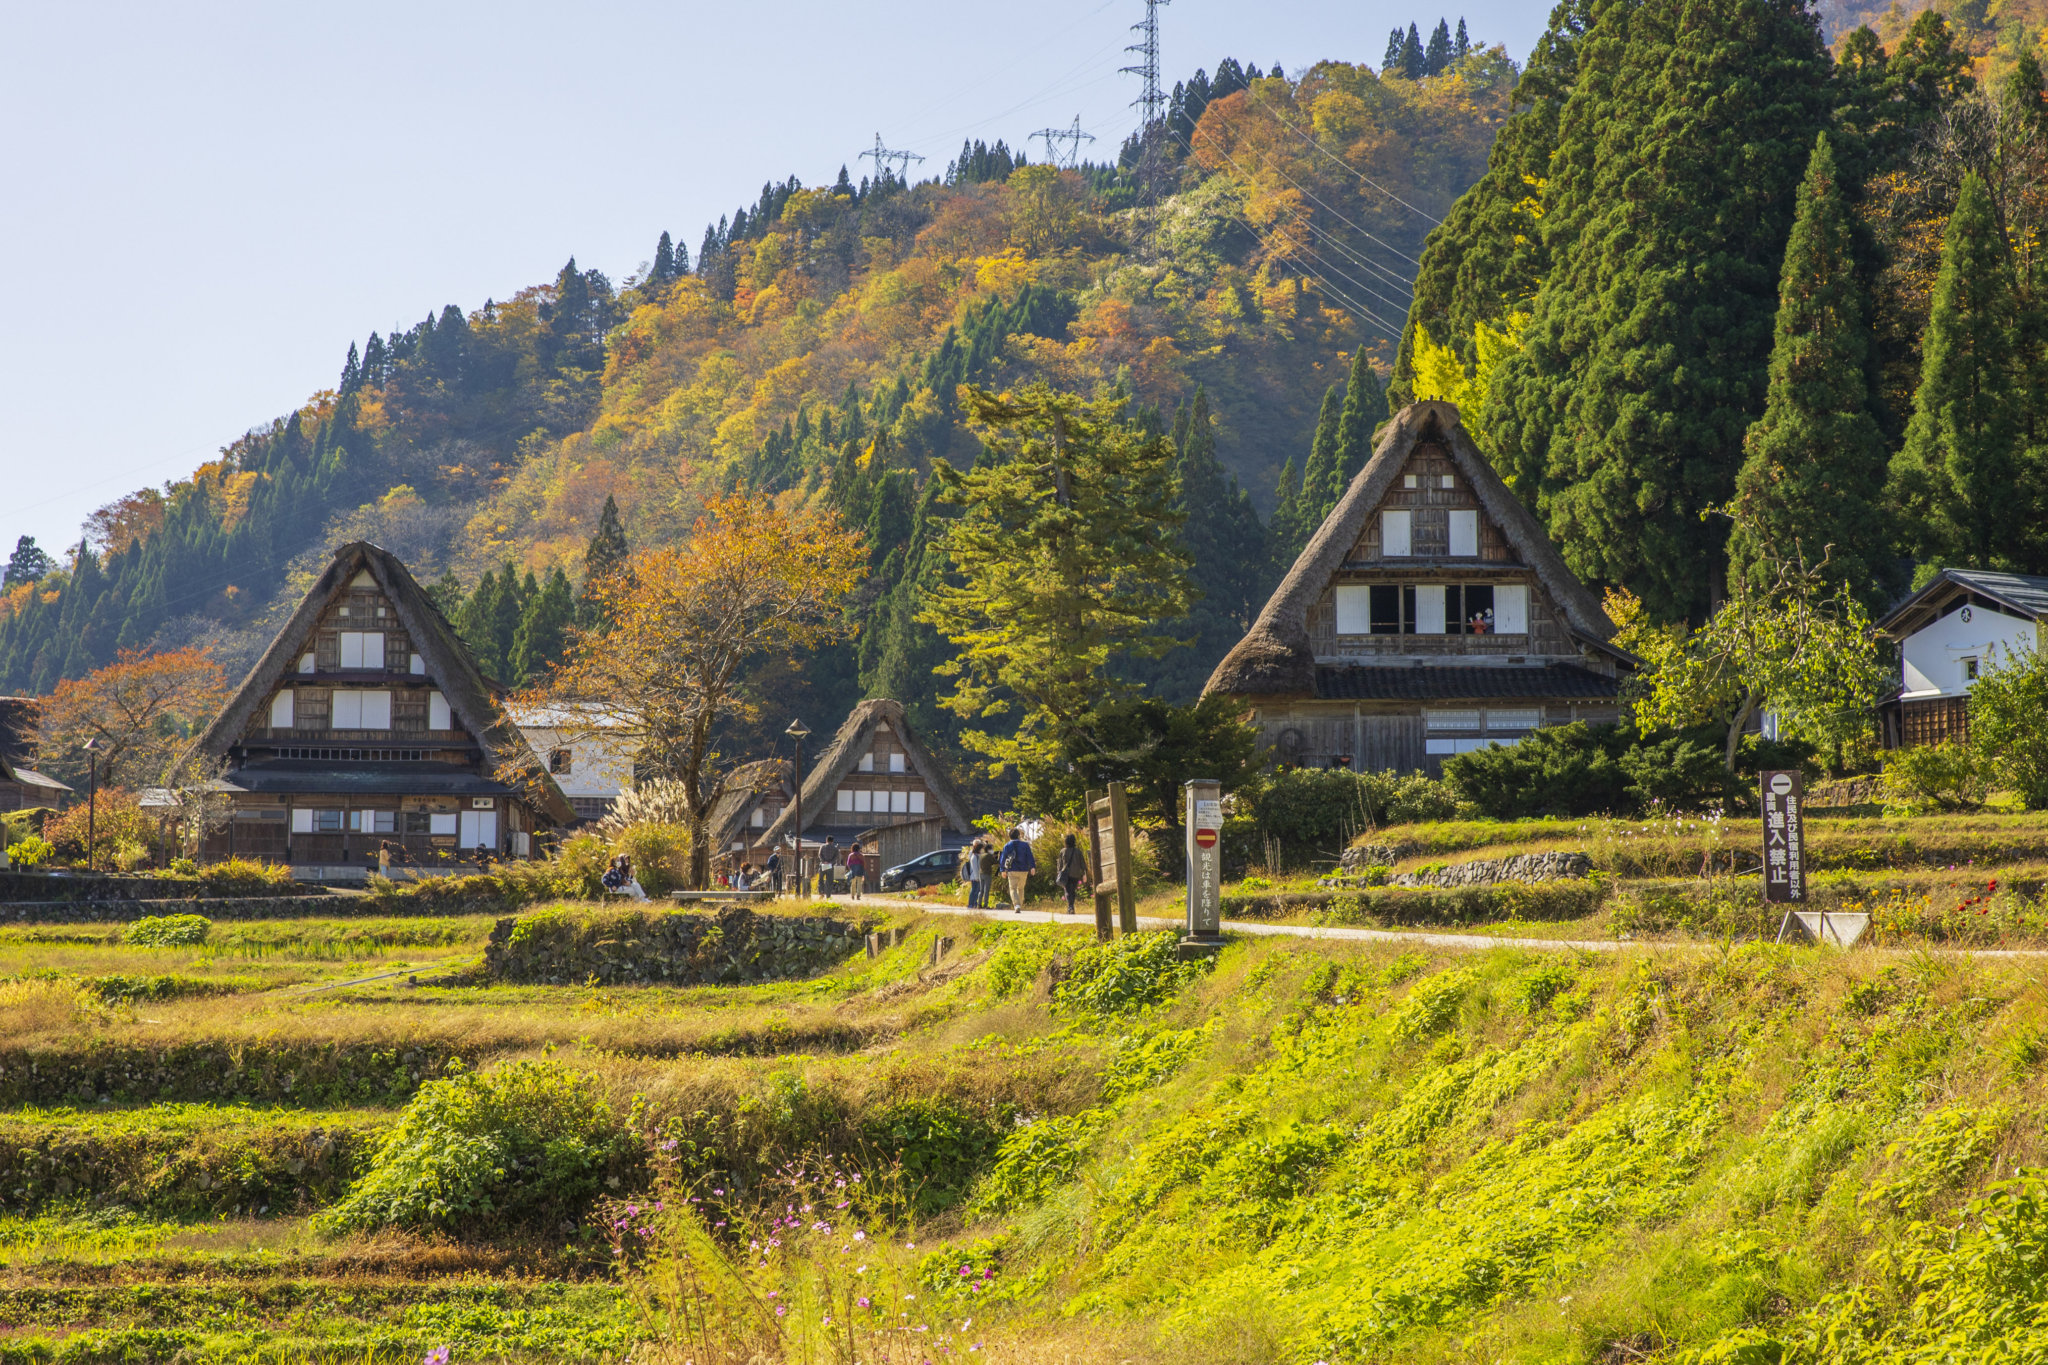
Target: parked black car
[{"x": 928, "y": 869}]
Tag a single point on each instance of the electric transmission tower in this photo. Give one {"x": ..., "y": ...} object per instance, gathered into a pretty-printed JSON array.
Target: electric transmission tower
[
  {"x": 1150, "y": 101},
  {"x": 882, "y": 156},
  {"x": 1073, "y": 137}
]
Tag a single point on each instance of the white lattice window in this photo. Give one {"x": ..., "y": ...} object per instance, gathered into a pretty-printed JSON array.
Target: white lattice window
[
  {"x": 1521, "y": 719},
  {"x": 1450, "y": 720}
]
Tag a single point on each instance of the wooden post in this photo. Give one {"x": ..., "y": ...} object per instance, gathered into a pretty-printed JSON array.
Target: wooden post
[
  {"x": 1098, "y": 809},
  {"x": 1126, "y": 891}
]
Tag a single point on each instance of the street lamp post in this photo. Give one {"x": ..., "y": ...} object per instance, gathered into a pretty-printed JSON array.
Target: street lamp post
[
  {"x": 796, "y": 731},
  {"x": 92, "y": 794}
]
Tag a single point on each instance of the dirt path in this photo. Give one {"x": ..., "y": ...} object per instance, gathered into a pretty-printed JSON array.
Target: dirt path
[{"x": 1469, "y": 941}]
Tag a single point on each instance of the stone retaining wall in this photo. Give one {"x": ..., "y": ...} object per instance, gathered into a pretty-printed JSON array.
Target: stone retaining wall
[
  {"x": 563, "y": 947},
  {"x": 1522, "y": 867}
]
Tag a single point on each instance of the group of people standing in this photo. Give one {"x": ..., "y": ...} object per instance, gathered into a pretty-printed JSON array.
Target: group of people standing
[
  {"x": 834, "y": 865},
  {"x": 981, "y": 863}
]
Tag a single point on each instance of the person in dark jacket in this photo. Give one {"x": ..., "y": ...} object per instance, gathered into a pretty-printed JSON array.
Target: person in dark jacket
[
  {"x": 1073, "y": 871},
  {"x": 1019, "y": 862}
]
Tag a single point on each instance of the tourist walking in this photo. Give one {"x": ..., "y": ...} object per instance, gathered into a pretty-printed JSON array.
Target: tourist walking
[
  {"x": 856, "y": 871},
  {"x": 989, "y": 863},
  {"x": 1073, "y": 871},
  {"x": 774, "y": 869},
  {"x": 828, "y": 867},
  {"x": 1019, "y": 862}
]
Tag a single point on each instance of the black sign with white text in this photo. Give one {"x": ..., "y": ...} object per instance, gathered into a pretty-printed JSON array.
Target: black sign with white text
[{"x": 1784, "y": 796}]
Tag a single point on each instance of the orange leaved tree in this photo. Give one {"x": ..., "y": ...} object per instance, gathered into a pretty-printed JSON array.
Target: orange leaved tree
[
  {"x": 140, "y": 710},
  {"x": 756, "y": 578}
]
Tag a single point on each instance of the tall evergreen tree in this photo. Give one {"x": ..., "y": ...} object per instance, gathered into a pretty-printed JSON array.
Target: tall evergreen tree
[
  {"x": 1680, "y": 153},
  {"x": 664, "y": 268},
  {"x": 606, "y": 555},
  {"x": 1436, "y": 58},
  {"x": 543, "y": 629},
  {"x": 1461, "y": 46},
  {"x": 477, "y": 626},
  {"x": 1814, "y": 467},
  {"x": 1970, "y": 498},
  {"x": 1414, "y": 62},
  {"x": 1391, "y": 63},
  {"x": 1322, "y": 477},
  {"x": 1488, "y": 257},
  {"x": 1365, "y": 407},
  {"x": 29, "y": 563},
  {"x": 1227, "y": 547},
  {"x": 1284, "y": 533}
]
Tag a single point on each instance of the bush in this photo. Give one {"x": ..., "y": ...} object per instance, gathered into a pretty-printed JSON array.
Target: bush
[
  {"x": 169, "y": 931},
  {"x": 1559, "y": 770},
  {"x": 114, "y": 817},
  {"x": 31, "y": 851},
  {"x": 244, "y": 877},
  {"x": 1683, "y": 772},
  {"x": 1951, "y": 775},
  {"x": 1127, "y": 976},
  {"x": 184, "y": 867},
  {"x": 1313, "y": 812},
  {"x": 2009, "y": 724},
  {"x": 525, "y": 1143},
  {"x": 660, "y": 854}
]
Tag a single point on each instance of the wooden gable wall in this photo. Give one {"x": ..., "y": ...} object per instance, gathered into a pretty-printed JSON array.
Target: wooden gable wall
[
  {"x": 881, "y": 786},
  {"x": 360, "y": 610}
]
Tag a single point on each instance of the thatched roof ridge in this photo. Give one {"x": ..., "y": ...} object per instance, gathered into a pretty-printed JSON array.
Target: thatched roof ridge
[
  {"x": 742, "y": 786},
  {"x": 845, "y": 750},
  {"x": 1275, "y": 658},
  {"x": 471, "y": 697}
]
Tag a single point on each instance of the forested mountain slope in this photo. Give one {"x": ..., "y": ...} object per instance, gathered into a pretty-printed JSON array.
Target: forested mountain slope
[{"x": 1249, "y": 253}]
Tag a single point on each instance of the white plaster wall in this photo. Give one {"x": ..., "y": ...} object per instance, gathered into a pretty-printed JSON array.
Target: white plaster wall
[
  {"x": 1934, "y": 654},
  {"x": 597, "y": 768}
]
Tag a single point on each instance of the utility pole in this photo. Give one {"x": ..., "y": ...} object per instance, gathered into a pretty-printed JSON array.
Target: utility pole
[
  {"x": 882, "y": 156},
  {"x": 1073, "y": 137}
]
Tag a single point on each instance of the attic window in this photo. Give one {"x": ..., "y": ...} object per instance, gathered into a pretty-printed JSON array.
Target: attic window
[
  {"x": 896, "y": 762},
  {"x": 1450, "y": 481},
  {"x": 867, "y": 761},
  {"x": 1410, "y": 481}
]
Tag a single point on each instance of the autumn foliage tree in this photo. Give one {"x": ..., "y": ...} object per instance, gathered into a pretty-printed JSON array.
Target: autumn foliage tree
[
  {"x": 755, "y": 580},
  {"x": 141, "y": 710}
]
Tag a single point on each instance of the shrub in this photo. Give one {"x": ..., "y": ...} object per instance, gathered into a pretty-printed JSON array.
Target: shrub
[
  {"x": 1023, "y": 951},
  {"x": 660, "y": 854},
  {"x": 2009, "y": 724},
  {"x": 114, "y": 818},
  {"x": 1951, "y": 775},
  {"x": 169, "y": 931},
  {"x": 525, "y": 1143},
  {"x": 1124, "y": 977},
  {"x": 1680, "y": 772},
  {"x": 940, "y": 1145},
  {"x": 1560, "y": 770},
  {"x": 1311, "y": 811},
  {"x": 184, "y": 867},
  {"x": 1407, "y": 798},
  {"x": 244, "y": 877},
  {"x": 31, "y": 851}
]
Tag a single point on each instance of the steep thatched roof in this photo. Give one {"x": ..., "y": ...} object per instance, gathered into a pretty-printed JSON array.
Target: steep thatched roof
[
  {"x": 845, "y": 750},
  {"x": 1275, "y": 659},
  {"x": 743, "y": 787},
  {"x": 448, "y": 660}
]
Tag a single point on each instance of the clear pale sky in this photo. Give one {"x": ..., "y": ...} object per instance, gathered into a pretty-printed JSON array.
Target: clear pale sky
[{"x": 201, "y": 205}]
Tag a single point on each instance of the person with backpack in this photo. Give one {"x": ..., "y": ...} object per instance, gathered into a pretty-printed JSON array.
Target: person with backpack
[
  {"x": 1072, "y": 872},
  {"x": 1019, "y": 862},
  {"x": 989, "y": 872},
  {"x": 828, "y": 867},
  {"x": 856, "y": 871}
]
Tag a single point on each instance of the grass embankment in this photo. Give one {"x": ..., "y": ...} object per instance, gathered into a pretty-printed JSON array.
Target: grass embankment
[{"x": 1307, "y": 1150}]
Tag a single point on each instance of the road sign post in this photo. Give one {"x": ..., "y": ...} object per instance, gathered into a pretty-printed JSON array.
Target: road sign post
[
  {"x": 1204, "y": 798},
  {"x": 1784, "y": 801}
]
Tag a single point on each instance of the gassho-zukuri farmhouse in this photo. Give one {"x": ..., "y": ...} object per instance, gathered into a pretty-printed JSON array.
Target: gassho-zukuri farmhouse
[{"x": 1429, "y": 615}]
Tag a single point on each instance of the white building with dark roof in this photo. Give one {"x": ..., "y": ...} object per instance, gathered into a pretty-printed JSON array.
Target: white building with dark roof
[{"x": 1958, "y": 627}]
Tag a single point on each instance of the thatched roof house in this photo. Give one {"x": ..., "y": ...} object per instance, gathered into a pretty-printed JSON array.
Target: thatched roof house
[
  {"x": 20, "y": 785},
  {"x": 1429, "y": 615},
  {"x": 873, "y": 773},
  {"x": 366, "y": 722}
]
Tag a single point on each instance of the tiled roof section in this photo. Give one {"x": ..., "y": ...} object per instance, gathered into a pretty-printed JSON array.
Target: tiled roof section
[
  {"x": 2028, "y": 593},
  {"x": 1560, "y": 681},
  {"x": 299, "y": 777}
]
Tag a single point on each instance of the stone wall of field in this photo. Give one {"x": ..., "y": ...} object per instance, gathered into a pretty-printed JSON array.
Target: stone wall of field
[
  {"x": 241, "y": 907},
  {"x": 43, "y": 887},
  {"x": 564, "y": 947}
]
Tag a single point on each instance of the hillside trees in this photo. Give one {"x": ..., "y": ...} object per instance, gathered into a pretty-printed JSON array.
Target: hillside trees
[
  {"x": 755, "y": 577},
  {"x": 1680, "y": 149},
  {"x": 1061, "y": 566}
]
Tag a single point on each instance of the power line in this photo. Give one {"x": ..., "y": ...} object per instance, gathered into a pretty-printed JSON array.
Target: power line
[
  {"x": 1325, "y": 151},
  {"x": 1310, "y": 196}
]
